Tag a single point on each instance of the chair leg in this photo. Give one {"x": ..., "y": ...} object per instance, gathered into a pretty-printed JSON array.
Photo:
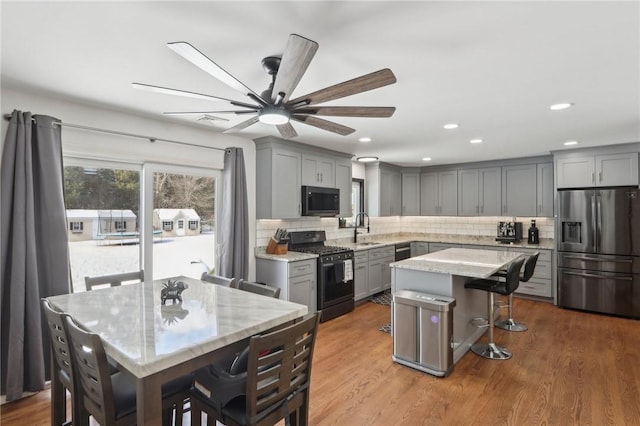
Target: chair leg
[
  {"x": 510, "y": 324},
  {"x": 490, "y": 350}
]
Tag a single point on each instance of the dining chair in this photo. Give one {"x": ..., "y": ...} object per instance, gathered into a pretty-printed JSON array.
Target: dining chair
[
  {"x": 272, "y": 385},
  {"x": 111, "y": 398},
  {"x": 218, "y": 279},
  {"x": 258, "y": 288},
  {"x": 61, "y": 366},
  {"x": 112, "y": 280}
]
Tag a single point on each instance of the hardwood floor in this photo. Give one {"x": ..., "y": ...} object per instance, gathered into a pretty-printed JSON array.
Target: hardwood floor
[{"x": 570, "y": 368}]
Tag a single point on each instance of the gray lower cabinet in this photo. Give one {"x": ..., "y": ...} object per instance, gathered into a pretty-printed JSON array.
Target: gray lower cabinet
[
  {"x": 418, "y": 248},
  {"x": 541, "y": 283},
  {"x": 441, "y": 246},
  {"x": 296, "y": 280},
  {"x": 361, "y": 274},
  {"x": 375, "y": 276}
]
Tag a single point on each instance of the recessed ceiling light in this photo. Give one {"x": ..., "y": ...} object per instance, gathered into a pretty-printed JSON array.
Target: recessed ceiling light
[
  {"x": 367, "y": 159},
  {"x": 475, "y": 141},
  {"x": 568, "y": 143},
  {"x": 450, "y": 126},
  {"x": 426, "y": 159},
  {"x": 365, "y": 139},
  {"x": 557, "y": 107}
]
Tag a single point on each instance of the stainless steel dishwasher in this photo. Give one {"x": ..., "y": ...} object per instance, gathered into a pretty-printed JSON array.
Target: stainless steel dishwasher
[{"x": 403, "y": 251}]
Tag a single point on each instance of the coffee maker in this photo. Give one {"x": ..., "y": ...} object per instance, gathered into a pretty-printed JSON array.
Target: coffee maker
[{"x": 533, "y": 237}]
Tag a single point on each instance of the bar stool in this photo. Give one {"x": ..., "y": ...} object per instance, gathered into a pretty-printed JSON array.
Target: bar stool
[
  {"x": 510, "y": 324},
  {"x": 509, "y": 285}
]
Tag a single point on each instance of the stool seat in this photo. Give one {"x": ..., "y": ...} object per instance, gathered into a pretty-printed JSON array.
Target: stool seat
[{"x": 496, "y": 286}]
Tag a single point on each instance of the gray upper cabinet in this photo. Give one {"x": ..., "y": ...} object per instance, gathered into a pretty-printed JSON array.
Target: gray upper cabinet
[
  {"x": 479, "y": 192},
  {"x": 278, "y": 183},
  {"x": 410, "y": 193},
  {"x": 318, "y": 171},
  {"x": 519, "y": 192},
  {"x": 439, "y": 193},
  {"x": 545, "y": 190},
  {"x": 343, "y": 183},
  {"x": 383, "y": 188},
  {"x": 582, "y": 171}
]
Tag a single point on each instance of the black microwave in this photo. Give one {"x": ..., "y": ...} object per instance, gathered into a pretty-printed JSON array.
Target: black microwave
[{"x": 318, "y": 201}]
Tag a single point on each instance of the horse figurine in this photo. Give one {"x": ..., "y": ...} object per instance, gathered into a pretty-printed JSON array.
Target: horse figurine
[{"x": 173, "y": 290}]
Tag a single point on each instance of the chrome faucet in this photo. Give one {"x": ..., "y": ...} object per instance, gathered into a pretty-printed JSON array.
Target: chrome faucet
[{"x": 355, "y": 229}]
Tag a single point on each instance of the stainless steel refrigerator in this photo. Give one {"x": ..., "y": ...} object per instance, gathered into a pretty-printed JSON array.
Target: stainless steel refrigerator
[{"x": 599, "y": 250}]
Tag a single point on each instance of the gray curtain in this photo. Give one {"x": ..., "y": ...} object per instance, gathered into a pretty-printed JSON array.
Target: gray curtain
[
  {"x": 34, "y": 256},
  {"x": 233, "y": 239}
]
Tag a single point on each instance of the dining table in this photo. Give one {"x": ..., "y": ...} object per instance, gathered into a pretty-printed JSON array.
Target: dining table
[{"x": 157, "y": 342}]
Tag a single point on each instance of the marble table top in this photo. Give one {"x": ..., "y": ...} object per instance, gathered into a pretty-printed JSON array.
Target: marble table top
[
  {"x": 146, "y": 337},
  {"x": 476, "y": 263}
]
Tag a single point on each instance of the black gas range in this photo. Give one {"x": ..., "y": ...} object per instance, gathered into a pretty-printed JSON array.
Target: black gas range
[{"x": 335, "y": 272}]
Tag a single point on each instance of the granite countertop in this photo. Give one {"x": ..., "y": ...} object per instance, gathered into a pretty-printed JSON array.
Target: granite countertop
[
  {"x": 476, "y": 263},
  {"x": 382, "y": 240},
  {"x": 291, "y": 256}
]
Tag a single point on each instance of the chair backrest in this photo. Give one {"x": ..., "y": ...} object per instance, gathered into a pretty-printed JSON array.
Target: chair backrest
[
  {"x": 92, "y": 373},
  {"x": 257, "y": 288},
  {"x": 529, "y": 267},
  {"x": 279, "y": 370},
  {"x": 112, "y": 280},
  {"x": 218, "y": 279},
  {"x": 512, "y": 280},
  {"x": 60, "y": 345}
]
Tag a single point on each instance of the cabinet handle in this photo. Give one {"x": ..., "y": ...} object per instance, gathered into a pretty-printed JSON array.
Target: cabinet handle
[
  {"x": 593, "y": 177},
  {"x": 600, "y": 176},
  {"x": 539, "y": 208},
  {"x": 299, "y": 208}
]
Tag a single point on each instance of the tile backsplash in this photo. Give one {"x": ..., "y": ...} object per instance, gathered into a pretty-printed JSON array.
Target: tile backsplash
[{"x": 454, "y": 225}]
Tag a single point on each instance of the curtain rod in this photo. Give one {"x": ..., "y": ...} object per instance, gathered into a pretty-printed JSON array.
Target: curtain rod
[{"x": 151, "y": 139}]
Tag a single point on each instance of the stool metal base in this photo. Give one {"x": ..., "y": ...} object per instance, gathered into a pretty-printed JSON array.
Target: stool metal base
[
  {"x": 491, "y": 351},
  {"x": 511, "y": 325}
]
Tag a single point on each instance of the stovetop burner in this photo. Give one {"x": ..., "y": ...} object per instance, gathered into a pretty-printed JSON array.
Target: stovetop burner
[
  {"x": 313, "y": 242},
  {"x": 322, "y": 249}
]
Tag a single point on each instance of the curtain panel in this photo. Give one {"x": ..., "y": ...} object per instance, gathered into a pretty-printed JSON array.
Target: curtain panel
[
  {"x": 34, "y": 259},
  {"x": 233, "y": 240}
]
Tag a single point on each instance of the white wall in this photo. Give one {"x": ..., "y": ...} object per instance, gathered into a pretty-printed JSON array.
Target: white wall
[{"x": 78, "y": 142}]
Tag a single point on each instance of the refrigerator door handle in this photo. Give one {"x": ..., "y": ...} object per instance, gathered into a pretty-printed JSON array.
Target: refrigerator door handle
[
  {"x": 592, "y": 259},
  {"x": 594, "y": 223},
  {"x": 599, "y": 276},
  {"x": 598, "y": 221}
]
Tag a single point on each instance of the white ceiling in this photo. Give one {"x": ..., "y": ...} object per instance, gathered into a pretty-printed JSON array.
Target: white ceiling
[{"x": 493, "y": 67}]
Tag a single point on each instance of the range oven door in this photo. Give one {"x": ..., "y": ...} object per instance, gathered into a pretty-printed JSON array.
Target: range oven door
[{"x": 332, "y": 286}]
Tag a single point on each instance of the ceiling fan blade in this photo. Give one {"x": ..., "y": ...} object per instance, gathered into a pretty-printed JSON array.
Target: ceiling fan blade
[
  {"x": 168, "y": 91},
  {"x": 209, "y": 112},
  {"x": 287, "y": 131},
  {"x": 199, "y": 59},
  {"x": 354, "y": 111},
  {"x": 242, "y": 125},
  {"x": 357, "y": 85},
  {"x": 295, "y": 60},
  {"x": 324, "y": 124}
]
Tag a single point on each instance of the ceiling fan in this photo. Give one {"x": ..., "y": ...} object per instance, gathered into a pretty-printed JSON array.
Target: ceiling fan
[{"x": 275, "y": 105}]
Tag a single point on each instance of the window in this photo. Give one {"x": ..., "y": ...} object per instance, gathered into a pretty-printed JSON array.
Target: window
[
  {"x": 167, "y": 225},
  {"x": 76, "y": 226},
  {"x": 357, "y": 199},
  {"x": 181, "y": 224},
  {"x": 193, "y": 225},
  {"x": 120, "y": 226}
]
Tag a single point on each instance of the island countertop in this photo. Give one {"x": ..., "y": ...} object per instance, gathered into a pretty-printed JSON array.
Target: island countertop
[{"x": 459, "y": 261}]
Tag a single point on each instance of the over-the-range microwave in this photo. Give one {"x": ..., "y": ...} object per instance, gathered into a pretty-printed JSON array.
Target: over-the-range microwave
[{"x": 317, "y": 201}]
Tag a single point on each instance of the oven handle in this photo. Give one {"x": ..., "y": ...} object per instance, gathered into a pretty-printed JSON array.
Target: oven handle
[
  {"x": 593, "y": 259},
  {"x": 612, "y": 277}
]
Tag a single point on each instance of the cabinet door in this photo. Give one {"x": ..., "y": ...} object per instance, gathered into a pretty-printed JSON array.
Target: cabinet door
[
  {"x": 468, "y": 203},
  {"x": 285, "y": 188},
  {"x": 617, "y": 169},
  {"x": 302, "y": 290},
  {"x": 420, "y": 249},
  {"x": 386, "y": 272},
  {"x": 441, "y": 246},
  {"x": 519, "y": 190},
  {"x": 343, "y": 183},
  {"x": 448, "y": 193},
  {"x": 489, "y": 191},
  {"x": 361, "y": 280},
  {"x": 375, "y": 276},
  {"x": 396, "y": 194},
  {"x": 410, "y": 194},
  {"x": 576, "y": 172},
  {"x": 318, "y": 171},
  {"x": 327, "y": 172},
  {"x": 544, "y": 188},
  {"x": 429, "y": 194}
]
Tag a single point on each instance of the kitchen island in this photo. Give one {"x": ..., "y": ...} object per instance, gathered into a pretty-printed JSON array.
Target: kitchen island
[{"x": 444, "y": 273}]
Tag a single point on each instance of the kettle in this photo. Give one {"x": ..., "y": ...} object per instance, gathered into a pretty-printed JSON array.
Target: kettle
[{"x": 534, "y": 237}]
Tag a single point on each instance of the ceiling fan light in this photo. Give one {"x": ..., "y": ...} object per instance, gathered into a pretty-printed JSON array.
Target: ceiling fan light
[{"x": 274, "y": 117}]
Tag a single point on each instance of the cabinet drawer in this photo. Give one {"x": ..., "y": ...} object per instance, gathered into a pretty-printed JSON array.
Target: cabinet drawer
[
  {"x": 361, "y": 256},
  {"x": 302, "y": 267},
  {"x": 381, "y": 252},
  {"x": 543, "y": 270},
  {"x": 536, "y": 287}
]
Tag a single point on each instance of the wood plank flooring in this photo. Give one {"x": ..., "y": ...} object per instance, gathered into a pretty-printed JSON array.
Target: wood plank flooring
[{"x": 570, "y": 368}]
